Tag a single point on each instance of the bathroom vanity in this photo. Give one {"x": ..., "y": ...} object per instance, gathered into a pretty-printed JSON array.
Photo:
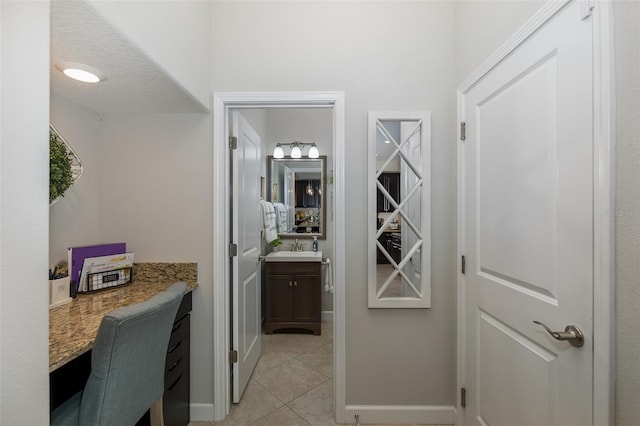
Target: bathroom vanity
[{"x": 294, "y": 291}]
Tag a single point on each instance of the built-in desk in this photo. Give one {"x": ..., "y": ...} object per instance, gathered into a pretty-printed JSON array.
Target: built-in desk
[{"x": 73, "y": 328}]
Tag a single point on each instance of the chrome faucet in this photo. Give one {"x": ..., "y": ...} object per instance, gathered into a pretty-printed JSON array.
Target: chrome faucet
[{"x": 297, "y": 246}]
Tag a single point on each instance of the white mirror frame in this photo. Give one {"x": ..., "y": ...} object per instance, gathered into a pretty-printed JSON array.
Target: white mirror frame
[{"x": 376, "y": 297}]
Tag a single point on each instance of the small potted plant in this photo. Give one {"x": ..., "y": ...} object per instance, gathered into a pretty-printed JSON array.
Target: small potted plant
[
  {"x": 60, "y": 174},
  {"x": 276, "y": 243},
  {"x": 65, "y": 167}
]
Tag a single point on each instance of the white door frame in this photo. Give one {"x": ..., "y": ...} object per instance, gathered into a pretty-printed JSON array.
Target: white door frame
[
  {"x": 221, "y": 184},
  {"x": 603, "y": 204}
]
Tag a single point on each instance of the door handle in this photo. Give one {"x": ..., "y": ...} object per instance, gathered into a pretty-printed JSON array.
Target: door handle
[{"x": 571, "y": 334}]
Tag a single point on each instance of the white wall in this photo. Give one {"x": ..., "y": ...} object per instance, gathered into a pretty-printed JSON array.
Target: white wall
[
  {"x": 156, "y": 180},
  {"x": 384, "y": 55},
  {"x": 24, "y": 199},
  {"x": 483, "y": 26},
  {"x": 74, "y": 220},
  {"x": 627, "y": 40},
  {"x": 175, "y": 34}
]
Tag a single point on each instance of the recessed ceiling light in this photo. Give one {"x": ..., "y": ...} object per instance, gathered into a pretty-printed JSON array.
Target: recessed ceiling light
[{"x": 81, "y": 72}]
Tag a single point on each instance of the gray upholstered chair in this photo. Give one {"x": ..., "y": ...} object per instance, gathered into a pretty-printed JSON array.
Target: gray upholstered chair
[{"x": 127, "y": 364}]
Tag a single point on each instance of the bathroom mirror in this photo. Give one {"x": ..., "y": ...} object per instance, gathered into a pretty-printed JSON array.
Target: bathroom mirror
[
  {"x": 399, "y": 209},
  {"x": 297, "y": 189}
]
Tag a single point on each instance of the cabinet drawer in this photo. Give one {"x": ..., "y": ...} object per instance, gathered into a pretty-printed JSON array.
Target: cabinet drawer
[
  {"x": 179, "y": 331},
  {"x": 175, "y": 401},
  {"x": 294, "y": 268},
  {"x": 185, "y": 306},
  {"x": 178, "y": 351}
]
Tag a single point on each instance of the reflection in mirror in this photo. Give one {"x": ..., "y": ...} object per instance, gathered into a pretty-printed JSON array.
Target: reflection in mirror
[
  {"x": 399, "y": 207},
  {"x": 297, "y": 187}
]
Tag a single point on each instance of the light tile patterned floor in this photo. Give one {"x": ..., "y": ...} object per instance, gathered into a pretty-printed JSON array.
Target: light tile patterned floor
[{"x": 292, "y": 384}]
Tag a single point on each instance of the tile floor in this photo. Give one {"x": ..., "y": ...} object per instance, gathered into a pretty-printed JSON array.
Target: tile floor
[{"x": 292, "y": 384}]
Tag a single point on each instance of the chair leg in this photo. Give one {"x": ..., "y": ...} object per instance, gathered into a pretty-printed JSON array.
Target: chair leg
[{"x": 156, "y": 413}]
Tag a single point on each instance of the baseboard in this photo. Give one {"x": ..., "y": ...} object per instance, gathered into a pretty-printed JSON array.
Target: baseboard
[
  {"x": 201, "y": 412},
  {"x": 327, "y": 315},
  {"x": 401, "y": 414}
]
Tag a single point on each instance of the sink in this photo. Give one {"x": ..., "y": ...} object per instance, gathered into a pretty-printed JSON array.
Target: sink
[{"x": 294, "y": 256}]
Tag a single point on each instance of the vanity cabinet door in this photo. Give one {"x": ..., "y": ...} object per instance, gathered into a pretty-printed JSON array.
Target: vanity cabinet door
[
  {"x": 306, "y": 299},
  {"x": 294, "y": 296},
  {"x": 279, "y": 298}
]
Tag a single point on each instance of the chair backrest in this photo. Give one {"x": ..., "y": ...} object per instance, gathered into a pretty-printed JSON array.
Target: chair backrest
[{"x": 128, "y": 360}]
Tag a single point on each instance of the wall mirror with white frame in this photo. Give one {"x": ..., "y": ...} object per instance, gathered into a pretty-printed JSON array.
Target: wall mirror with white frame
[
  {"x": 399, "y": 209},
  {"x": 297, "y": 188}
]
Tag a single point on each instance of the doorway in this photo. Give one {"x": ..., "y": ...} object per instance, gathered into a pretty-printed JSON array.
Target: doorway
[{"x": 223, "y": 104}]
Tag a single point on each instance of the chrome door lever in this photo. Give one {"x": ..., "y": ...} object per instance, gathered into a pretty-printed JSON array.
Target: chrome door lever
[{"x": 571, "y": 333}]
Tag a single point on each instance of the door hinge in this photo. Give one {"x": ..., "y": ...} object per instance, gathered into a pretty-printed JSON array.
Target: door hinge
[
  {"x": 463, "y": 397},
  {"x": 586, "y": 8},
  {"x": 463, "y": 130},
  {"x": 233, "y": 142},
  {"x": 233, "y": 249},
  {"x": 233, "y": 356},
  {"x": 463, "y": 264}
]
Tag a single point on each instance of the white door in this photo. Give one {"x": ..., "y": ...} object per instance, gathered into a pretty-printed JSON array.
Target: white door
[
  {"x": 245, "y": 272},
  {"x": 527, "y": 226}
]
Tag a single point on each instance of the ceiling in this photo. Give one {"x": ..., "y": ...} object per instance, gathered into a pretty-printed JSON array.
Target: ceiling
[{"x": 134, "y": 82}]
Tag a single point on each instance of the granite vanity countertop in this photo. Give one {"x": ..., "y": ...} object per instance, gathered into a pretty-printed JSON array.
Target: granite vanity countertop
[{"x": 73, "y": 326}]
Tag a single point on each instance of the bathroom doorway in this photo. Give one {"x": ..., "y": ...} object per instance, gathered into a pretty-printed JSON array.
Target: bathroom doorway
[{"x": 253, "y": 105}]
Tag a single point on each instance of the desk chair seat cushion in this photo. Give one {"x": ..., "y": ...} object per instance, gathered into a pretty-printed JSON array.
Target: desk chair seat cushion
[{"x": 127, "y": 362}]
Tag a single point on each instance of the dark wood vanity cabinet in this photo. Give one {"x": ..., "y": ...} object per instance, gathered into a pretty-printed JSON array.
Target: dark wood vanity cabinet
[{"x": 294, "y": 296}]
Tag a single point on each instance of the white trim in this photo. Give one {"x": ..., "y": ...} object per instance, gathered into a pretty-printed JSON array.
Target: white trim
[
  {"x": 604, "y": 224},
  {"x": 604, "y": 193},
  {"x": 221, "y": 337},
  {"x": 460, "y": 328},
  {"x": 200, "y": 412},
  {"x": 401, "y": 414}
]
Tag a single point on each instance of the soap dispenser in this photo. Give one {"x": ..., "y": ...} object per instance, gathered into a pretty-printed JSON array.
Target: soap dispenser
[{"x": 315, "y": 243}]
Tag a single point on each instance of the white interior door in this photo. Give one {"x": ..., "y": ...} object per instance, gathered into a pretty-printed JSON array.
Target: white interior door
[
  {"x": 527, "y": 219},
  {"x": 246, "y": 316}
]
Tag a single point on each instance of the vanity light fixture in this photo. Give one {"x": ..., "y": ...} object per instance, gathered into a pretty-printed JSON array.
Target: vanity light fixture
[
  {"x": 278, "y": 152},
  {"x": 81, "y": 72},
  {"x": 296, "y": 150},
  {"x": 313, "y": 151}
]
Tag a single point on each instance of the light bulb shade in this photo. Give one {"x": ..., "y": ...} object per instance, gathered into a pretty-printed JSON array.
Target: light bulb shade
[
  {"x": 278, "y": 152},
  {"x": 81, "y": 72},
  {"x": 296, "y": 152},
  {"x": 313, "y": 151}
]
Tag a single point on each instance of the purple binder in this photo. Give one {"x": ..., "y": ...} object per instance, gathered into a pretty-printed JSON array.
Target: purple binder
[{"x": 77, "y": 255}]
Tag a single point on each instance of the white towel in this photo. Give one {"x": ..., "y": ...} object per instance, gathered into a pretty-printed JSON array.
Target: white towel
[
  {"x": 281, "y": 217},
  {"x": 268, "y": 214}
]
